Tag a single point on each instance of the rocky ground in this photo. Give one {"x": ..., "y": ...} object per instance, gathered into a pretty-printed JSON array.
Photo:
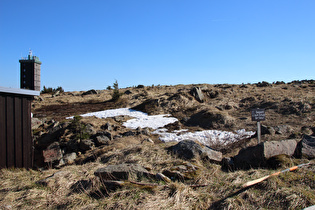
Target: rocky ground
[{"x": 98, "y": 163}]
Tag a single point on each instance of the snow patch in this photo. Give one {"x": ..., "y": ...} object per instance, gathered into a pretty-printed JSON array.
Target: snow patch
[
  {"x": 207, "y": 137},
  {"x": 157, "y": 122},
  {"x": 116, "y": 112}
]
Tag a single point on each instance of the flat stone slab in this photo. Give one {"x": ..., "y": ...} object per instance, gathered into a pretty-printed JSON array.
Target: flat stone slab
[
  {"x": 258, "y": 155},
  {"x": 274, "y": 148}
]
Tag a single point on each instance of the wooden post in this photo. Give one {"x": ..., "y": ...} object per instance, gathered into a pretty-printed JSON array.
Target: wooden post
[
  {"x": 258, "y": 115},
  {"x": 258, "y": 132}
]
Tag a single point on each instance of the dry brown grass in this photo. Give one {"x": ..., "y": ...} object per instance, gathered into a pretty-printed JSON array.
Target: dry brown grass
[{"x": 208, "y": 187}]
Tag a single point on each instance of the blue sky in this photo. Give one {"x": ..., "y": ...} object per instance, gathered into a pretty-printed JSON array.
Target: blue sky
[{"x": 89, "y": 44}]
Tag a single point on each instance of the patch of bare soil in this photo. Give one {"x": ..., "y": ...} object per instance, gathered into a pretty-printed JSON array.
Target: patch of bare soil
[{"x": 60, "y": 111}]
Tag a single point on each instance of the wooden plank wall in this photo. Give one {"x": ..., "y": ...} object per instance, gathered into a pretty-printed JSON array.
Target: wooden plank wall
[{"x": 16, "y": 143}]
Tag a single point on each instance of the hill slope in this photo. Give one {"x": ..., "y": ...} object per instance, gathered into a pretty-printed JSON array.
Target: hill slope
[{"x": 167, "y": 180}]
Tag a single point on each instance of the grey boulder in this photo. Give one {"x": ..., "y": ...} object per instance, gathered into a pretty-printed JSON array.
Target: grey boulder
[
  {"x": 189, "y": 149},
  {"x": 306, "y": 147},
  {"x": 258, "y": 155},
  {"x": 197, "y": 93}
]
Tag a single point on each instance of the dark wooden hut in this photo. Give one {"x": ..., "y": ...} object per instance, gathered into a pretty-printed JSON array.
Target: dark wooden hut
[{"x": 16, "y": 143}]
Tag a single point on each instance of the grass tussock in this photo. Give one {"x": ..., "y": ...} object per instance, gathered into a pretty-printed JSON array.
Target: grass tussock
[{"x": 76, "y": 187}]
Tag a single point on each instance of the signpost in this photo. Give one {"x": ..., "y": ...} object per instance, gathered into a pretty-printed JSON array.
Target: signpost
[{"x": 258, "y": 115}]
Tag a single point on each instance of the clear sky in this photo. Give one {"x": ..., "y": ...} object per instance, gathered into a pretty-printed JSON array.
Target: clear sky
[{"x": 89, "y": 44}]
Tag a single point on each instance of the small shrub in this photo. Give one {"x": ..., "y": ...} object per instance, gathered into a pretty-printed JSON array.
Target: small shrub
[
  {"x": 116, "y": 95},
  {"x": 60, "y": 89},
  {"x": 52, "y": 90},
  {"x": 78, "y": 128}
]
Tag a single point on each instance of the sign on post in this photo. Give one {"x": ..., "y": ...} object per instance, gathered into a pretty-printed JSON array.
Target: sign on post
[{"x": 258, "y": 115}]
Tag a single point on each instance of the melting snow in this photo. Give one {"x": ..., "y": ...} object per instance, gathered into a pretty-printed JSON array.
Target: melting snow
[
  {"x": 157, "y": 122},
  {"x": 117, "y": 112},
  {"x": 207, "y": 137}
]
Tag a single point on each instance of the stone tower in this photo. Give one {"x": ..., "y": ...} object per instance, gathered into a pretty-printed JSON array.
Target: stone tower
[{"x": 30, "y": 72}]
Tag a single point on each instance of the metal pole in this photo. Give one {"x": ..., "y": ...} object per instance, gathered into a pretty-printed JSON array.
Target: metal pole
[{"x": 258, "y": 131}]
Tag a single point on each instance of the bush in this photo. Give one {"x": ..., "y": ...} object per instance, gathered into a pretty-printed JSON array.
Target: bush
[
  {"x": 78, "y": 128},
  {"x": 116, "y": 95},
  {"x": 52, "y": 90}
]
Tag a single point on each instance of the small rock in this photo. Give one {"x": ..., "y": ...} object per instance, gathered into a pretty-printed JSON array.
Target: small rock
[
  {"x": 145, "y": 131},
  {"x": 139, "y": 130},
  {"x": 129, "y": 133},
  {"x": 120, "y": 118},
  {"x": 283, "y": 129},
  {"x": 60, "y": 164},
  {"x": 69, "y": 158},
  {"x": 213, "y": 93},
  {"x": 174, "y": 175},
  {"x": 117, "y": 136},
  {"x": 140, "y": 86},
  {"x": 197, "y": 93},
  {"x": 89, "y": 129},
  {"x": 86, "y": 144},
  {"x": 128, "y": 92},
  {"x": 107, "y": 126},
  {"x": 104, "y": 133},
  {"x": 36, "y": 123},
  {"x": 150, "y": 106},
  {"x": 113, "y": 185},
  {"x": 51, "y": 180},
  {"x": 55, "y": 130},
  {"x": 228, "y": 164},
  {"x": 82, "y": 186},
  {"x": 52, "y": 153},
  {"x": 189, "y": 149},
  {"x": 263, "y": 84},
  {"x": 267, "y": 130},
  {"x": 102, "y": 140},
  {"x": 306, "y": 130},
  {"x": 305, "y": 108},
  {"x": 211, "y": 119},
  {"x": 73, "y": 145},
  {"x": 89, "y": 92}
]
